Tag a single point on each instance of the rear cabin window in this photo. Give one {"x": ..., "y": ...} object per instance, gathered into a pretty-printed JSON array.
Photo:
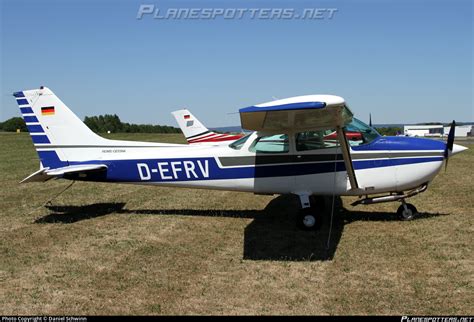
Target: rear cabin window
[
  {"x": 237, "y": 145},
  {"x": 270, "y": 144}
]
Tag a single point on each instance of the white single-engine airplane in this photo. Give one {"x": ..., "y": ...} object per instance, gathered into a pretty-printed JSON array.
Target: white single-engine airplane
[{"x": 286, "y": 154}]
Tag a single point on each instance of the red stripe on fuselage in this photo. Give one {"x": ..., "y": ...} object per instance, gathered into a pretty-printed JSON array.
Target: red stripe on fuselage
[
  {"x": 228, "y": 138},
  {"x": 216, "y": 138},
  {"x": 202, "y": 137}
]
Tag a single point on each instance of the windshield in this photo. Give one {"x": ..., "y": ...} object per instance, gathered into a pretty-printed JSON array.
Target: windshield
[{"x": 368, "y": 134}]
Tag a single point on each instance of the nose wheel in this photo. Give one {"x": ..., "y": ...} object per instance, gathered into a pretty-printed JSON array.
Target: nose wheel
[{"x": 406, "y": 211}]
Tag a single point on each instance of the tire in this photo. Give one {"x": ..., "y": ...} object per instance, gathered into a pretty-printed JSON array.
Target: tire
[{"x": 407, "y": 214}]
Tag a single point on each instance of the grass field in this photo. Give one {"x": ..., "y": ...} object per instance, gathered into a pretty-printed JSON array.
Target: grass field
[{"x": 124, "y": 249}]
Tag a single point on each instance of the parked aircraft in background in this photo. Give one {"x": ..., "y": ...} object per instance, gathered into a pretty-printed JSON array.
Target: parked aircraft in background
[{"x": 196, "y": 133}]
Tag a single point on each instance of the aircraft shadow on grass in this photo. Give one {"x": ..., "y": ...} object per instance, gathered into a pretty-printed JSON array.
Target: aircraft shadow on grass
[
  {"x": 272, "y": 235},
  {"x": 72, "y": 214}
]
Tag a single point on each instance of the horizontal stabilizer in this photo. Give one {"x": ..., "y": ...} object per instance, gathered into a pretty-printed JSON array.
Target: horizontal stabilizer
[
  {"x": 38, "y": 176},
  {"x": 46, "y": 174},
  {"x": 75, "y": 168}
]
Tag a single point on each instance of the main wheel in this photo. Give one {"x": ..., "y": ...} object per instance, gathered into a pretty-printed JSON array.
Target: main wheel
[
  {"x": 309, "y": 219},
  {"x": 407, "y": 214}
]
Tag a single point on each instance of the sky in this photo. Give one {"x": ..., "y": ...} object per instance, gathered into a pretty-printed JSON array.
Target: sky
[{"x": 404, "y": 61}]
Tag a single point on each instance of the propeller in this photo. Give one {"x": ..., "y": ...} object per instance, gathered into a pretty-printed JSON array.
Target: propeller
[{"x": 449, "y": 144}]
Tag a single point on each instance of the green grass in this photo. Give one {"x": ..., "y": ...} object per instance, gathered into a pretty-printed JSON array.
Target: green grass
[{"x": 124, "y": 249}]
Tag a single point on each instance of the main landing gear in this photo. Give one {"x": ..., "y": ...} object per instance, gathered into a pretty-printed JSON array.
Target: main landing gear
[{"x": 310, "y": 215}]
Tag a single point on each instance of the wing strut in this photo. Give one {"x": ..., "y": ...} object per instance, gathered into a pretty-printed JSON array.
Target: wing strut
[{"x": 341, "y": 134}]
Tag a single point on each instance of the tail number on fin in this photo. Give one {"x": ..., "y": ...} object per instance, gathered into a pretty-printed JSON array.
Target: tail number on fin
[{"x": 174, "y": 170}]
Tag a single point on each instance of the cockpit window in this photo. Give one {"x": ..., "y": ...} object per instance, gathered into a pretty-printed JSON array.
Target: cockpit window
[
  {"x": 270, "y": 144},
  {"x": 357, "y": 133},
  {"x": 237, "y": 145}
]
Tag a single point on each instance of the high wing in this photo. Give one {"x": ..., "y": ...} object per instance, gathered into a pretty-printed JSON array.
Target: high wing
[
  {"x": 46, "y": 174},
  {"x": 303, "y": 113}
]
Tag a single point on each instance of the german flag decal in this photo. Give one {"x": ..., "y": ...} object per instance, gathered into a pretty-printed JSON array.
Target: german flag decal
[{"x": 47, "y": 110}]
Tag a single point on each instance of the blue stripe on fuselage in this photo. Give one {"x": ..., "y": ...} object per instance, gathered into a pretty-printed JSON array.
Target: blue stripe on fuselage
[
  {"x": 192, "y": 169},
  {"x": 378, "y": 163},
  {"x": 51, "y": 160},
  {"x": 171, "y": 170},
  {"x": 400, "y": 143}
]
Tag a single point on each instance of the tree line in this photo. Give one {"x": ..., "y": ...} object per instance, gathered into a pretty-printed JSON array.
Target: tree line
[
  {"x": 11, "y": 125},
  {"x": 389, "y": 131},
  {"x": 112, "y": 123},
  {"x": 98, "y": 124}
]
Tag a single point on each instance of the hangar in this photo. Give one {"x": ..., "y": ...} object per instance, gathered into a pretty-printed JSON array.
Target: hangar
[{"x": 436, "y": 130}]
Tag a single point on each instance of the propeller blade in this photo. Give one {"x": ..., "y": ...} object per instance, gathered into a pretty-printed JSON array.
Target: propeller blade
[{"x": 449, "y": 143}]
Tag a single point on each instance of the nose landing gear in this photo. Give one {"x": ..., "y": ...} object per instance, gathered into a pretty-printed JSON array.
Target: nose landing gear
[{"x": 406, "y": 211}]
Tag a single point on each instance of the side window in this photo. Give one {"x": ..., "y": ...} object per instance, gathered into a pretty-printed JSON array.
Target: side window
[
  {"x": 313, "y": 140},
  {"x": 237, "y": 145},
  {"x": 270, "y": 144}
]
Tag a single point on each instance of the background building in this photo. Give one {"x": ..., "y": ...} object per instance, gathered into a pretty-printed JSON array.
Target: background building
[{"x": 436, "y": 130}]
